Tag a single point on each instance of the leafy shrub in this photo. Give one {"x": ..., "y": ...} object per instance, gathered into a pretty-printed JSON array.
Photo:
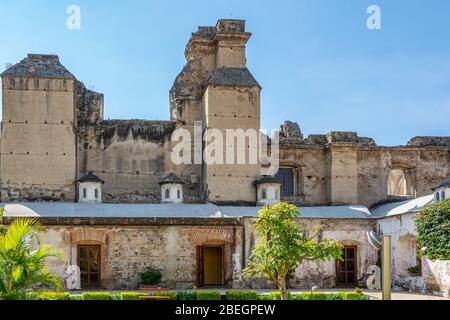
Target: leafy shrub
[
  {"x": 334, "y": 296},
  {"x": 314, "y": 296},
  {"x": 272, "y": 296},
  {"x": 352, "y": 296},
  {"x": 171, "y": 294},
  {"x": 115, "y": 296},
  {"x": 96, "y": 296},
  {"x": 432, "y": 226},
  {"x": 54, "y": 296},
  {"x": 208, "y": 295},
  {"x": 131, "y": 295},
  {"x": 241, "y": 295},
  {"x": 76, "y": 297},
  {"x": 186, "y": 295},
  {"x": 151, "y": 276}
]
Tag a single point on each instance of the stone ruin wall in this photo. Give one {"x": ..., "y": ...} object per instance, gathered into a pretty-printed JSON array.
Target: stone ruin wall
[
  {"x": 132, "y": 157},
  {"x": 127, "y": 251},
  {"x": 426, "y": 159},
  {"x": 347, "y": 232}
]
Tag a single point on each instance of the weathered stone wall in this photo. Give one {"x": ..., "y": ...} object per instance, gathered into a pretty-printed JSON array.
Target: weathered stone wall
[
  {"x": 311, "y": 177},
  {"x": 128, "y": 251},
  {"x": 436, "y": 276},
  {"x": 38, "y": 153},
  {"x": 229, "y": 108},
  {"x": 431, "y": 276},
  {"x": 349, "y": 173},
  {"x": 347, "y": 232},
  {"x": 170, "y": 245},
  {"x": 132, "y": 157},
  {"x": 427, "y": 167}
]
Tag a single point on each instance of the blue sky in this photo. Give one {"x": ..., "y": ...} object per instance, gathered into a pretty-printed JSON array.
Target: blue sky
[{"x": 317, "y": 62}]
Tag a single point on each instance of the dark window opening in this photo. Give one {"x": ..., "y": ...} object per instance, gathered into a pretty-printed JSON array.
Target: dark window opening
[{"x": 286, "y": 176}]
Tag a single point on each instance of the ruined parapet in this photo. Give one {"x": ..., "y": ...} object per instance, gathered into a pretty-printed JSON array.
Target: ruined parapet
[
  {"x": 208, "y": 49},
  {"x": 291, "y": 136},
  {"x": 185, "y": 94},
  {"x": 149, "y": 130},
  {"x": 39, "y": 65},
  {"x": 316, "y": 139},
  {"x": 88, "y": 104},
  {"x": 429, "y": 142},
  {"x": 290, "y": 133}
]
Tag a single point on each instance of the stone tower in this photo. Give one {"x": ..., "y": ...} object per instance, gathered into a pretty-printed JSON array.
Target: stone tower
[
  {"x": 38, "y": 139},
  {"x": 216, "y": 88},
  {"x": 231, "y": 101}
]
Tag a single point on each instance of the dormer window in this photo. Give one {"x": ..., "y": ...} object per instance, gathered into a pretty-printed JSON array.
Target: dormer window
[
  {"x": 267, "y": 190},
  {"x": 171, "y": 189},
  {"x": 442, "y": 191},
  {"x": 89, "y": 188}
]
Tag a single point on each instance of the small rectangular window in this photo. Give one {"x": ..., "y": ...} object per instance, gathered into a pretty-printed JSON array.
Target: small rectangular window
[
  {"x": 84, "y": 193},
  {"x": 96, "y": 193}
]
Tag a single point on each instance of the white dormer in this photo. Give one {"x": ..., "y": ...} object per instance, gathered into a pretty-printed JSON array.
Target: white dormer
[
  {"x": 267, "y": 190},
  {"x": 171, "y": 189},
  {"x": 442, "y": 192},
  {"x": 90, "y": 188}
]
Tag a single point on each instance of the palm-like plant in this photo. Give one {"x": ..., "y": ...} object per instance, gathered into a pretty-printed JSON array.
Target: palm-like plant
[{"x": 21, "y": 266}]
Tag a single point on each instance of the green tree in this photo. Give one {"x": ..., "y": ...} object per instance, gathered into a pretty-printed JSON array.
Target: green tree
[
  {"x": 2, "y": 226},
  {"x": 22, "y": 260},
  {"x": 282, "y": 246},
  {"x": 433, "y": 231}
]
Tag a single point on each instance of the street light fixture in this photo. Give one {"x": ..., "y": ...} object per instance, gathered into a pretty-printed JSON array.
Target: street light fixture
[{"x": 383, "y": 244}]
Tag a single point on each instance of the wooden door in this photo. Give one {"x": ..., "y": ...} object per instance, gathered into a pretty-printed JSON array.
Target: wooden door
[
  {"x": 89, "y": 263},
  {"x": 210, "y": 265},
  {"x": 346, "y": 270}
]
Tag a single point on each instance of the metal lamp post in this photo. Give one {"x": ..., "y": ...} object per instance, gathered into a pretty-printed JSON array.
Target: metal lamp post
[{"x": 385, "y": 246}]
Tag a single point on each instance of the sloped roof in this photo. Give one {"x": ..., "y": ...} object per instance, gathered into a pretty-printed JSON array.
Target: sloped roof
[
  {"x": 233, "y": 77},
  {"x": 90, "y": 177},
  {"x": 266, "y": 179},
  {"x": 402, "y": 207},
  {"x": 79, "y": 210},
  {"x": 39, "y": 65},
  {"x": 171, "y": 178},
  {"x": 444, "y": 184}
]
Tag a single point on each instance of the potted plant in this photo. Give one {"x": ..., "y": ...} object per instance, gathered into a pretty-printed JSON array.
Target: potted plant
[{"x": 150, "y": 278}]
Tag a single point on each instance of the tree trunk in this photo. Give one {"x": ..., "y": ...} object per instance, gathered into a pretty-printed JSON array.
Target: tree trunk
[{"x": 282, "y": 287}]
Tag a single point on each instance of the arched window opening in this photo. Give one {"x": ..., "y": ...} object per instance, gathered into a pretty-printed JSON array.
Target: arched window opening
[
  {"x": 167, "y": 194},
  {"x": 400, "y": 183}
]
